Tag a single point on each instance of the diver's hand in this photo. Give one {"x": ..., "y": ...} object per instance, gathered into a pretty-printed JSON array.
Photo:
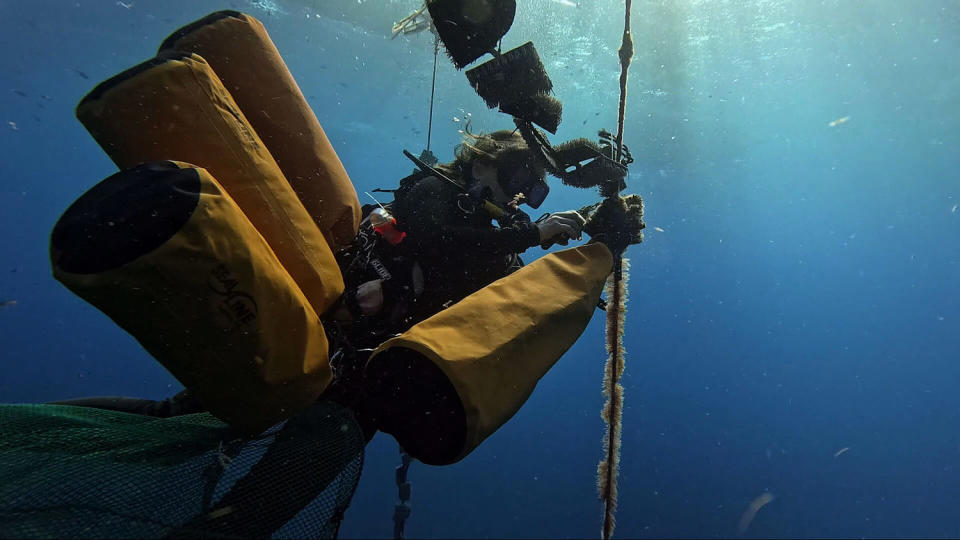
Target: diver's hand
[
  {"x": 560, "y": 228},
  {"x": 370, "y": 297}
]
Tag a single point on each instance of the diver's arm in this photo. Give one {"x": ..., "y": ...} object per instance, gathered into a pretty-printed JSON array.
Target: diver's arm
[
  {"x": 516, "y": 238},
  {"x": 430, "y": 219}
]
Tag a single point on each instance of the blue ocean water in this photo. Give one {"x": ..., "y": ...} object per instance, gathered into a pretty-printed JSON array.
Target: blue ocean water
[{"x": 794, "y": 312}]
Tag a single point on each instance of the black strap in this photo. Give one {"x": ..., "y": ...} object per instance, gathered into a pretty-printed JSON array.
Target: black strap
[{"x": 427, "y": 168}]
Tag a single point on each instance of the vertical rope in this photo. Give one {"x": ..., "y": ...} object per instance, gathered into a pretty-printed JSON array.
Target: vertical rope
[
  {"x": 625, "y": 53},
  {"x": 401, "y": 511},
  {"x": 433, "y": 86},
  {"x": 609, "y": 467}
]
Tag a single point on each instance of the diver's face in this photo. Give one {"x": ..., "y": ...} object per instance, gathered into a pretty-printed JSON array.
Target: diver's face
[
  {"x": 485, "y": 173},
  {"x": 506, "y": 180}
]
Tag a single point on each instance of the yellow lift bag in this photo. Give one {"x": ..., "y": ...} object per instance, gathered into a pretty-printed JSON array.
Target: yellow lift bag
[
  {"x": 165, "y": 252},
  {"x": 449, "y": 382},
  {"x": 175, "y": 107},
  {"x": 246, "y": 60}
]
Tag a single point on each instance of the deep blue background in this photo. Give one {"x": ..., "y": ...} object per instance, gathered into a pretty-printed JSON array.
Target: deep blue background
[{"x": 802, "y": 297}]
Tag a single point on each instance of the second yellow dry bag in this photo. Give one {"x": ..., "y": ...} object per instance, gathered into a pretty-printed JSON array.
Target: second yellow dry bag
[
  {"x": 238, "y": 48},
  {"x": 175, "y": 107}
]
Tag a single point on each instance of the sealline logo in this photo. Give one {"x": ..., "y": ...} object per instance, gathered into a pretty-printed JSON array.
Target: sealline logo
[
  {"x": 380, "y": 269},
  {"x": 237, "y": 306}
]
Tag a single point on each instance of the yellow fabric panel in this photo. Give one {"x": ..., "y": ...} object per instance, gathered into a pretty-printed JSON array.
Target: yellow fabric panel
[
  {"x": 496, "y": 344},
  {"x": 246, "y": 60},
  {"x": 212, "y": 303},
  {"x": 177, "y": 108}
]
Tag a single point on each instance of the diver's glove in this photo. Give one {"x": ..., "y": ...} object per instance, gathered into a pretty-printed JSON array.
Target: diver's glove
[
  {"x": 370, "y": 297},
  {"x": 617, "y": 222},
  {"x": 559, "y": 228}
]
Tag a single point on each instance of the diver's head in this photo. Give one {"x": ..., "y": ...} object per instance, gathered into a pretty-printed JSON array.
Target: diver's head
[{"x": 502, "y": 161}]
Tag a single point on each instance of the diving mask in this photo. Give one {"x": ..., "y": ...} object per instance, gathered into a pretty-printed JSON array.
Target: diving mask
[{"x": 525, "y": 180}]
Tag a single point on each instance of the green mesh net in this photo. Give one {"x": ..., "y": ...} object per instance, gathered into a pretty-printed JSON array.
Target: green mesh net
[{"x": 76, "y": 472}]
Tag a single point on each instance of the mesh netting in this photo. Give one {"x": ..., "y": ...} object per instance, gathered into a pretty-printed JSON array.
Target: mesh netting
[{"x": 76, "y": 472}]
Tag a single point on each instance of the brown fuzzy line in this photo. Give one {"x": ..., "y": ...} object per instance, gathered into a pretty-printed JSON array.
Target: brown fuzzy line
[{"x": 612, "y": 413}]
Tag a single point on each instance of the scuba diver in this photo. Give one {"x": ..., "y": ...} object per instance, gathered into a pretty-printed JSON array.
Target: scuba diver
[
  {"x": 250, "y": 271},
  {"x": 448, "y": 248}
]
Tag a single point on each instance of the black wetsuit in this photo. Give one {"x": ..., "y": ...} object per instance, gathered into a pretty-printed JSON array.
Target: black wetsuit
[
  {"x": 453, "y": 239},
  {"x": 450, "y": 242}
]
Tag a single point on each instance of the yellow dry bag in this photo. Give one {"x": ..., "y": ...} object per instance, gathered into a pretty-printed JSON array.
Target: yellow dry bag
[{"x": 166, "y": 253}]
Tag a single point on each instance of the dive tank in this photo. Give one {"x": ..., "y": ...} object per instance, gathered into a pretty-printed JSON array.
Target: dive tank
[{"x": 386, "y": 226}]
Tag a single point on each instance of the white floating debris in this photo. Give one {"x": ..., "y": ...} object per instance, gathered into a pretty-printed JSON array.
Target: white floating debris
[
  {"x": 13, "y": 125},
  {"x": 839, "y": 121},
  {"x": 658, "y": 229},
  {"x": 954, "y": 209}
]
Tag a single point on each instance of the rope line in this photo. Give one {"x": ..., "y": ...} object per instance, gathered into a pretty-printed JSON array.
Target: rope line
[
  {"x": 608, "y": 469},
  {"x": 625, "y": 53},
  {"x": 401, "y": 511},
  {"x": 433, "y": 86}
]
